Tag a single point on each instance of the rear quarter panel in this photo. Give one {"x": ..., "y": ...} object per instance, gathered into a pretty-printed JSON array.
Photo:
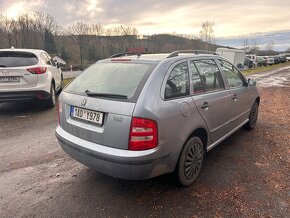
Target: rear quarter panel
[{"x": 173, "y": 128}]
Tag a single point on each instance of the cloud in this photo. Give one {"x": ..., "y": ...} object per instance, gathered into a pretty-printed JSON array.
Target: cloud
[
  {"x": 232, "y": 18},
  {"x": 280, "y": 40},
  {"x": 15, "y": 8}
]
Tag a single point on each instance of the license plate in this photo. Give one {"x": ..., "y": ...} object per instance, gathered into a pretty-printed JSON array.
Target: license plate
[
  {"x": 9, "y": 79},
  {"x": 87, "y": 115}
]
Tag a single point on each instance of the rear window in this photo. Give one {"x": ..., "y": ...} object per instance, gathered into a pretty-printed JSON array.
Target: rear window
[
  {"x": 17, "y": 59},
  {"x": 113, "y": 78}
]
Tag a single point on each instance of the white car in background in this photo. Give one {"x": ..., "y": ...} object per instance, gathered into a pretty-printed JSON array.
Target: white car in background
[
  {"x": 28, "y": 74},
  {"x": 253, "y": 58},
  {"x": 270, "y": 60}
]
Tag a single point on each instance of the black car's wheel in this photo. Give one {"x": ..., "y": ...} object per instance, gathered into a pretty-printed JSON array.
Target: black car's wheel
[
  {"x": 50, "y": 103},
  {"x": 190, "y": 161},
  {"x": 253, "y": 117}
]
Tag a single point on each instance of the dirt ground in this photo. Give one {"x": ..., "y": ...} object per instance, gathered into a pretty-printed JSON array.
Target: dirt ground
[{"x": 247, "y": 175}]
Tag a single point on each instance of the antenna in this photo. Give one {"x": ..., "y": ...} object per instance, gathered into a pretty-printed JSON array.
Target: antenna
[{"x": 126, "y": 34}]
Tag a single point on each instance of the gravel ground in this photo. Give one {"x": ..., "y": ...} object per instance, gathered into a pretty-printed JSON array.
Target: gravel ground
[{"x": 247, "y": 175}]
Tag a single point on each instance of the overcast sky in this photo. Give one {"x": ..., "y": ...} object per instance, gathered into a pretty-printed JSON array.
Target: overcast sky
[{"x": 232, "y": 18}]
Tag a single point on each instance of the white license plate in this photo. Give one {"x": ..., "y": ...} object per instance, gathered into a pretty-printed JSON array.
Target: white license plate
[
  {"x": 9, "y": 79},
  {"x": 88, "y": 115}
]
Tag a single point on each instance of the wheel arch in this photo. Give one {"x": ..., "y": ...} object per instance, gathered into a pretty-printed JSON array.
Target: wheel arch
[
  {"x": 202, "y": 134},
  {"x": 258, "y": 100}
]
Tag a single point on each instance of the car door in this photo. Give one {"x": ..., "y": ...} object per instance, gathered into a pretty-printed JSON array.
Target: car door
[
  {"x": 210, "y": 96},
  {"x": 178, "y": 108},
  {"x": 240, "y": 94}
]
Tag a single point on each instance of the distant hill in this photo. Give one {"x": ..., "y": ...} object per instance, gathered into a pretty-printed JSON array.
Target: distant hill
[{"x": 105, "y": 46}]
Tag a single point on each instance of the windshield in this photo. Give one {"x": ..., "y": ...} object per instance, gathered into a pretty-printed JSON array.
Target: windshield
[
  {"x": 112, "y": 78},
  {"x": 17, "y": 59}
]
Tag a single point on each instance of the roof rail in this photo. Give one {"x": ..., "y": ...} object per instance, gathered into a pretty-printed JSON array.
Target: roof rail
[
  {"x": 176, "y": 53},
  {"x": 123, "y": 54}
]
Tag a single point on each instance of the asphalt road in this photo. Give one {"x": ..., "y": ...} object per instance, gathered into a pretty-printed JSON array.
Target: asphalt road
[{"x": 245, "y": 176}]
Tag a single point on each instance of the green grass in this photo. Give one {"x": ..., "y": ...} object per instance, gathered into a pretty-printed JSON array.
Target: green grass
[
  {"x": 67, "y": 81},
  {"x": 264, "y": 69}
]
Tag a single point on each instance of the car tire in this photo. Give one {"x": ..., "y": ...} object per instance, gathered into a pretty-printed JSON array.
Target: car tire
[
  {"x": 190, "y": 161},
  {"x": 50, "y": 103},
  {"x": 61, "y": 85},
  {"x": 253, "y": 117}
]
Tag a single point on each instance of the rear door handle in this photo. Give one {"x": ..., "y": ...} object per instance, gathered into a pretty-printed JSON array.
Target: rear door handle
[{"x": 205, "y": 105}]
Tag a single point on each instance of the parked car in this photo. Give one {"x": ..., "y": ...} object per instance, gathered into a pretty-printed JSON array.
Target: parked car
[
  {"x": 248, "y": 63},
  {"x": 27, "y": 74},
  {"x": 269, "y": 59},
  {"x": 283, "y": 58},
  {"x": 253, "y": 58},
  {"x": 277, "y": 59},
  {"x": 137, "y": 117},
  {"x": 261, "y": 61}
]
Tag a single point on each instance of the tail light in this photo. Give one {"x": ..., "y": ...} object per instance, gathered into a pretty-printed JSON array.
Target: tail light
[
  {"x": 37, "y": 70},
  {"x": 143, "y": 134}
]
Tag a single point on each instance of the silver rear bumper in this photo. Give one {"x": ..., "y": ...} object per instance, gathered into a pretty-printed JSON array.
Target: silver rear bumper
[{"x": 124, "y": 164}]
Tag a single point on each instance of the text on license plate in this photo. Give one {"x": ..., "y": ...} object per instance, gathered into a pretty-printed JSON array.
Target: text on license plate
[
  {"x": 9, "y": 79},
  {"x": 88, "y": 115}
]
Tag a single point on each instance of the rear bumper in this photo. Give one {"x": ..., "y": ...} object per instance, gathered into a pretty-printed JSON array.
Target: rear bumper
[
  {"x": 124, "y": 164},
  {"x": 23, "y": 95}
]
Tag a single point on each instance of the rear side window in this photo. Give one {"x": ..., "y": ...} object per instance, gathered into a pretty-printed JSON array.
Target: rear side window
[
  {"x": 233, "y": 76},
  {"x": 177, "y": 84},
  {"x": 113, "y": 78},
  {"x": 210, "y": 75},
  {"x": 17, "y": 59}
]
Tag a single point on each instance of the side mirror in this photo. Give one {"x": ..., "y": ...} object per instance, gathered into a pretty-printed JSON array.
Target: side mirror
[{"x": 251, "y": 82}]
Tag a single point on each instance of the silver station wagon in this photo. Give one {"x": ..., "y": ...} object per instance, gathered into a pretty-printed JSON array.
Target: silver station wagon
[{"x": 141, "y": 116}]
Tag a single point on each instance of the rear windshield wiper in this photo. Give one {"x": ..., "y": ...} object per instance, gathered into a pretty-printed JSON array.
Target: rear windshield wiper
[
  {"x": 2, "y": 65},
  {"x": 108, "y": 95}
]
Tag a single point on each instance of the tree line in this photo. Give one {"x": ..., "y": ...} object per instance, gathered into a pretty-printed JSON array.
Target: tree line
[{"x": 83, "y": 43}]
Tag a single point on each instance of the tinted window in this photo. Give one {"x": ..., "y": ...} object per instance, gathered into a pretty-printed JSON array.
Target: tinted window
[
  {"x": 198, "y": 83},
  {"x": 232, "y": 74},
  {"x": 178, "y": 82},
  {"x": 111, "y": 78},
  {"x": 210, "y": 75},
  {"x": 17, "y": 59}
]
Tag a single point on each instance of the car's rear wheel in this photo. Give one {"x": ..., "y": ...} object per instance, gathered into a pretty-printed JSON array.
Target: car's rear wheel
[
  {"x": 253, "y": 117},
  {"x": 190, "y": 161},
  {"x": 50, "y": 103},
  {"x": 61, "y": 85}
]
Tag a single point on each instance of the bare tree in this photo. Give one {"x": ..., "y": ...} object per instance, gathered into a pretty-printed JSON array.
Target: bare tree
[
  {"x": 9, "y": 29},
  {"x": 246, "y": 42},
  {"x": 207, "y": 33},
  {"x": 270, "y": 46},
  {"x": 254, "y": 47},
  {"x": 26, "y": 28},
  {"x": 82, "y": 34},
  {"x": 45, "y": 22}
]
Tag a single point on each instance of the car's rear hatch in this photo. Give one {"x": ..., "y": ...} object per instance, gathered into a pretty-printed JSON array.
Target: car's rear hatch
[
  {"x": 14, "y": 72},
  {"x": 107, "y": 91}
]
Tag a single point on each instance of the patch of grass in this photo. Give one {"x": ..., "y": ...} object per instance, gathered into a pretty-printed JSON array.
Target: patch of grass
[
  {"x": 265, "y": 69},
  {"x": 67, "y": 81}
]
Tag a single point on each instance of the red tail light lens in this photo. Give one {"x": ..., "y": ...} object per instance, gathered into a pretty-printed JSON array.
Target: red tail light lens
[
  {"x": 37, "y": 70},
  {"x": 143, "y": 134}
]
